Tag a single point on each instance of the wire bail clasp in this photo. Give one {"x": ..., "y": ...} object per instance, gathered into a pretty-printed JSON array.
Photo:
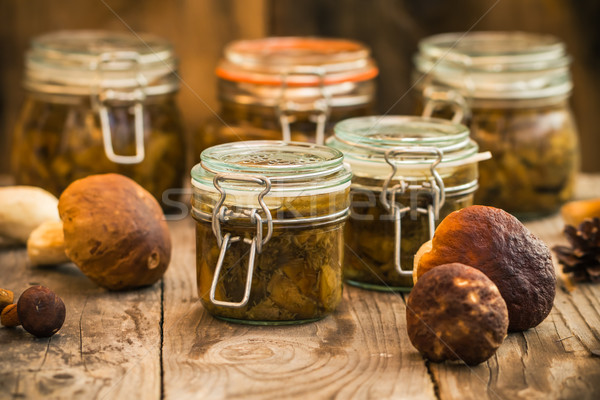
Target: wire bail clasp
[
  {"x": 433, "y": 188},
  {"x": 137, "y": 96},
  {"x": 319, "y": 109},
  {"x": 222, "y": 214},
  {"x": 436, "y": 97}
]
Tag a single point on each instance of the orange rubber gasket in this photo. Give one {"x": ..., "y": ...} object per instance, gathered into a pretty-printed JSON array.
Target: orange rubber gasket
[
  {"x": 318, "y": 45},
  {"x": 262, "y": 79}
]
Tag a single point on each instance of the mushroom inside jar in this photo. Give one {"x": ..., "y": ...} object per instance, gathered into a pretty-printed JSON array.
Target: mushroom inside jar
[
  {"x": 297, "y": 275},
  {"x": 535, "y": 158},
  {"x": 68, "y": 144},
  {"x": 370, "y": 232}
]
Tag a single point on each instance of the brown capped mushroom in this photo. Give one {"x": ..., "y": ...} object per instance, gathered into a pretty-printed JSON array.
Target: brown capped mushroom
[
  {"x": 41, "y": 311},
  {"x": 455, "y": 312},
  {"x": 497, "y": 244},
  {"x": 115, "y": 231}
]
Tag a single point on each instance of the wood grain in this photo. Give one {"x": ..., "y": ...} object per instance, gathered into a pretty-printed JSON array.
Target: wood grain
[
  {"x": 360, "y": 352},
  {"x": 122, "y": 345},
  {"x": 108, "y": 347}
]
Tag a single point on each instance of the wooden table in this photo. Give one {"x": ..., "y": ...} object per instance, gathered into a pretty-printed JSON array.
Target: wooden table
[{"x": 160, "y": 343}]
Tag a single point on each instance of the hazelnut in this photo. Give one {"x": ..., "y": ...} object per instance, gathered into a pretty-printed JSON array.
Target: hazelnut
[
  {"x": 455, "y": 312},
  {"x": 41, "y": 311},
  {"x": 6, "y": 298},
  {"x": 9, "y": 316},
  {"x": 497, "y": 244}
]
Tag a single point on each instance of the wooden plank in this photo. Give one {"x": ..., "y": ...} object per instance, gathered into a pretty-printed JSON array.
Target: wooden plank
[
  {"x": 108, "y": 347},
  {"x": 361, "y": 351},
  {"x": 551, "y": 361}
]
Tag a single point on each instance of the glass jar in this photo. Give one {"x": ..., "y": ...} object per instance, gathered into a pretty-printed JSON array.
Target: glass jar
[
  {"x": 516, "y": 86},
  {"x": 99, "y": 102},
  {"x": 269, "y": 230},
  {"x": 289, "y": 88},
  {"x": 408, "y": 174}
]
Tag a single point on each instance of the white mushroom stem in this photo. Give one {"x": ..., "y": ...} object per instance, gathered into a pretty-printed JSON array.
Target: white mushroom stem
[
  {"x": 46, "y": 244},
  {"x": 24, "y": 208}
]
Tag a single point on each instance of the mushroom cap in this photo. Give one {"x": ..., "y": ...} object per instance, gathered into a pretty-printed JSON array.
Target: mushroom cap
[
  {"x": 41, "y": 311},
  {"x": 499, "y": 245},
  {"x": 115, "y": 231},
  {"x": 455, "y": 312}
]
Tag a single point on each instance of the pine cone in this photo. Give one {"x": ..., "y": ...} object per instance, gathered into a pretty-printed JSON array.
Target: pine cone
[{"x": 582, "y": 259}]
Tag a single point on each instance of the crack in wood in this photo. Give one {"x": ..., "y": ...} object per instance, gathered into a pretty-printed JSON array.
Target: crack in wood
[
  {"x": 81, "y": 336},
  {"x": 522, "y": 358},
  {"x": 593, "y": 307},
  {"x": 18, "y": 380},
  {"x": 489, "y": 367},
  {"x": 45, "y": 354},
  {"x": 162, "y": 338},
  {"x": 434, "y": 381},
  {"x": 585, "y": 321}
]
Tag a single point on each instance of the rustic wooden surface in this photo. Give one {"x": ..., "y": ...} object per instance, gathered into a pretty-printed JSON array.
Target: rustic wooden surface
[{"x": 159, "y": 343}]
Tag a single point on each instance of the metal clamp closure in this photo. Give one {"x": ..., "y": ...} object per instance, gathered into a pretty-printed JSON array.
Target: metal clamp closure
[
  {"x": 137, "y": 95},
  {"x": 222, "y": 214},
  {"x": 319, "y": 109},
  {"x": 433, "y": 188},
  {"x": 435, "y": 97}
]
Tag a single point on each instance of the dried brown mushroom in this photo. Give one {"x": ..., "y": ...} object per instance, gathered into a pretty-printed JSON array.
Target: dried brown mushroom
[
  {"x": 115, "y": 231},
  {"x": 455, "y": 312},
  {"x": 41, "y": 311},
  {"x": 496, "y": 243}
]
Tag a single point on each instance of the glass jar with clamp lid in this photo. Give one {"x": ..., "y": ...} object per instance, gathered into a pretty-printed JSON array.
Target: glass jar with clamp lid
[
  {"x": 269, "y": 230},
  {"x": 408, "y": 174}
]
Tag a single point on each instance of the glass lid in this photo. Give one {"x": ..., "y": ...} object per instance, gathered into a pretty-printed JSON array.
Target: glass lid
[
  {"x": 384, "y": 132},
  {"x": 494, "y": 65},
  {"x": 79, "y": 60},
  {"x": 411, "y": 143},
  {"x": 304, "y": 61},
  {"x": 368, "y": 138},
  {"x": 288, "y": 165},
  {"x": 496, "y": 51}
]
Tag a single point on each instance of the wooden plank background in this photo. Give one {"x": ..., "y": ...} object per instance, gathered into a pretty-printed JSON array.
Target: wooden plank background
[{"x": 200, "y": 28}]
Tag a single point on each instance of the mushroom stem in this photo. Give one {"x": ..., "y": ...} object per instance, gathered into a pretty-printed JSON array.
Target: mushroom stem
[
  {"x": 22, "y": 209},
  {"x": 46, "y": 244}
]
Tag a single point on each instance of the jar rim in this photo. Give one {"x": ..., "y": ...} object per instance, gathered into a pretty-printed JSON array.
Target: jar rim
[
  {"x": 296, "y": 61},
  {"x": 497, "y": 64},
  {"x": 366, "y": 141},
  {"x": 497, "y": 50},
  {"x": 83, "y": 62},
  {"x": 383, "y": 132},
  {"x": 290, "y": 166}
]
